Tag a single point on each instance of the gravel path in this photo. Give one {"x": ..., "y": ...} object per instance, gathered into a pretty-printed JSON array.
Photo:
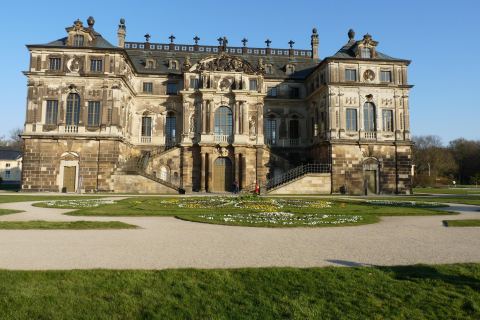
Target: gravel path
[{"x": 166, "y": 242}]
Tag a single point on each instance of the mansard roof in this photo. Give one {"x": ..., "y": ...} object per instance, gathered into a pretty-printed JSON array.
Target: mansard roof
[
  {"x": 278, "y": 59},
  {"x": 7, "y": 154},
  {"x": 99, "y": 42}
]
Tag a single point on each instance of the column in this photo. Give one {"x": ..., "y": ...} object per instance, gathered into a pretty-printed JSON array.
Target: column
[
  {"x": 245, "y": 117},
  {"x": 211, "y": 117},
  {"x": 260, "y": 120},
  {"x": 203, "y": 171},
  {"x": 237, "y": 168},
  {"x": 237, "y": 116},
  {"x": 204, "y": 116}
]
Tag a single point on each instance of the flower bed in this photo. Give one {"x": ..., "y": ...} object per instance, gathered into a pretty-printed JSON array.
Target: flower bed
[
  {"x": 76, "y": 204},
  {"x": 405, "y": 203},
  {"x": 280, "y": 218}
]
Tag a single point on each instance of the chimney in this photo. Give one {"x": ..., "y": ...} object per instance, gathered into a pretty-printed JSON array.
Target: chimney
[
  {"x": 314, "y": 43},
  {"x": 121, "y": 33}
]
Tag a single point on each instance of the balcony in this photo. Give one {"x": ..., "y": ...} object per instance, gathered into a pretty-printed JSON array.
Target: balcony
[
  {"x": 223, "y": 138},
  {"x": 370, "y": 135},
  {"x": 145, "y": 139},
  {"x": 282, "y": 143},
  {"x": 71, "y": 129}
]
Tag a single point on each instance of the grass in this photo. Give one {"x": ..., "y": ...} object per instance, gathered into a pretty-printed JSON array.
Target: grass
[
  {"x": 196, "y": 208},
  {"x": 8, "y": 211},
  {"x": 407, "y": 292},
  {"x": 24, "y": 197},
  {"x": 462, "y": 223},
  {"x": 457, "y": 190},
  {"x": 71, "y": 225},
  {"x": 461, "y": 199}
]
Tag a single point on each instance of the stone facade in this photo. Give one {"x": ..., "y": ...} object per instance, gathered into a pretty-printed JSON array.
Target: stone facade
[{"x": 198, "y": 118}]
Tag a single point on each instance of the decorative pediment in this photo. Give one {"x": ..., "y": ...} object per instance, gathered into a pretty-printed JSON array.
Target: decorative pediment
[{"x": 225, "y": 63}]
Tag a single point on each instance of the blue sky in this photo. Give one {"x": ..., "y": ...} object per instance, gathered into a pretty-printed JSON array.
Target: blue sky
[{"x": 440, "y": 37}]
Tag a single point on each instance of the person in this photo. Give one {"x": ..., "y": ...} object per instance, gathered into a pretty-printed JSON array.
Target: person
[
  {"x": 235, "y": 187},
  {"x": 257, "y": 188}
]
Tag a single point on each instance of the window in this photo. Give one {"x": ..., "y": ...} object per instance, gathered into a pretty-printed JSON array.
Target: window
[
  {"x": 173, "y": 65},
  {"x": 171, "y": 125},
  {"x": 7, "y": 174},
  {"x": 194, "y": 83},
  {"x": 148, "y": 87},
  {"x": 385, "y": 76},
  {"x": 7, "y": 165},
  {"x": 350, "y": 75},
  {"x": 268, "y": 69},
  {"x": 365, "y": 53},
  {"x": 294, "y": 92},
  {"x": 387, "y": 119},
  {"x": 272, "y": 91},
  {"x": 93, "y": 113},
  {"x": 369, "y": 117},
  {"x": 271, "y": 130},
  {"x": 150, "y": 64},
  {"x": 55, "y": 63},
  {"x": 223, "y": 121},
  {"x": 51, "y": 112},
  {"x": 96, "y": 65},
  {"x": 146, "y": 126},
  {"x": 171, "y": 88},
  {"x": 253, "y": 85},
  {"x": 322, "y": 78},
  {"x": 351, "y": 119},
  {"x": 294, "y": 130},
  {"x": 289, "y": 69},
  {"x": 78, "y": 40},
  {"x": 73, "y": 109}
]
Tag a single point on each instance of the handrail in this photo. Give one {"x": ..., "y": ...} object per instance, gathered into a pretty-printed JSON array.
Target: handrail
[{"x": 298, "y": 172}]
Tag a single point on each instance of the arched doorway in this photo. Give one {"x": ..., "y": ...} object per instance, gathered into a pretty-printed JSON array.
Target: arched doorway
[
  {"x": 222, "y": 174},
  {"x": 370, "y": 174}
]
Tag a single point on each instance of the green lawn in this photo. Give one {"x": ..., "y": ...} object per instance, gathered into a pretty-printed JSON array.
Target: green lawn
[
  {"x": 251, "y": 211},
  {"x": 407, "y": 292},
  {"x": 75, "y": 225},
  {"x": 471, "y": 190},
  {"x": 462, "y": 223},
  {"x": 26, "y": 197},
  {"x": 8, "y": 211}
]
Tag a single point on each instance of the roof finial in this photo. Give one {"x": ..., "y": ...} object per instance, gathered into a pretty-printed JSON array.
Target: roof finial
[
  {"x": 268, "y": 41},
  {"x": 220, "y": 40},
  {"x": 147, "y": 37},
  {"x": 244, "y": 41},
  {"x": 291, "y": 43},
  {"x": 351, "y": 34},
  {"x": 172, "y": 37},
  {"x": 90, "y": 22},
  {"x": 196, "y": 38}
]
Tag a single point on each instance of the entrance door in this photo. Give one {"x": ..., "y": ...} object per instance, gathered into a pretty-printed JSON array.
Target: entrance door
[
  {"x": 222, "y": 175},
  {"x": 371, "y": 181},
  {"x": 69, "y": 174}
]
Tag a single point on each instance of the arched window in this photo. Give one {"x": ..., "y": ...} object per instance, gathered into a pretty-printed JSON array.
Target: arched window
[
  {"x": 369, "y": 117},
  {"x": 223, "y": 124},
  {"x": 271, "y": 130},
  {"x": 78, "y": 40},
  {"x": 73, "y": 110},
  {"x": 170, "y": 129}
]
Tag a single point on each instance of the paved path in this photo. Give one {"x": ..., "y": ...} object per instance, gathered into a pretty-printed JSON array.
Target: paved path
[{"x": 166, "y": 242}]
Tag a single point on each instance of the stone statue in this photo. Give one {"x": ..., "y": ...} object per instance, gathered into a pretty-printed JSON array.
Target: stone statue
[
  {"x": 252, "y": 126},
  {"x": 191, "y": 123}
]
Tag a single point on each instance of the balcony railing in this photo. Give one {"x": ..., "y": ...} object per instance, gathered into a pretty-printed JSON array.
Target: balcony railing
[
  {"x": 170, "y": 141},
  {"x": 282, "y": 142},
  {"x": 145, "y": 139},
  {"x": 225, "y": 138},
  {"x": 370, "y": 135},
  {"x": 71, "y": 128}
]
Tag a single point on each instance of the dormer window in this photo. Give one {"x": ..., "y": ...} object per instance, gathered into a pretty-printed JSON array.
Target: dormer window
[
  {"x": 173, "y": 65},
  {"x": 150, "y": 64},
  {"x": 253, "y": 85},
  {"x": 268, "y": 69},
  {"x": 289, "y": 69},
  {"x": 365, "y": 53},
  {"x": 78, "y": 40},
  {"x": 54, "y": 64}
]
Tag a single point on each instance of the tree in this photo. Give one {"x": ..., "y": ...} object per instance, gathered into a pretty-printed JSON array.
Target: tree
[
  {"x": 467, "y": 156},
  {"x": 14, "y": 142}
]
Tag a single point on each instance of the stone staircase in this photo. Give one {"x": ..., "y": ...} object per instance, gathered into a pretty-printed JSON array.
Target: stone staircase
[{"x": 295, "y": 174}]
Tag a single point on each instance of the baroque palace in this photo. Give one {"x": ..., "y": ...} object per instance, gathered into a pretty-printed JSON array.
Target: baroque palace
[{"x": 167, "y": 117}]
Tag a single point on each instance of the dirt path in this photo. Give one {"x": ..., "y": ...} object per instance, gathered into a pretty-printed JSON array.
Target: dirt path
[{"x": 166, "y": 242}]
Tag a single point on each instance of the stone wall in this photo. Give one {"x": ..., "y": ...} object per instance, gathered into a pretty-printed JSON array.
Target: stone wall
[
  {"x": 124, "y": 183},
  {"x": 312, "y": 183}
]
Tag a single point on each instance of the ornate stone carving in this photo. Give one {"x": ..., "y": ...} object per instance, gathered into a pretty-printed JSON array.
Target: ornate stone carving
[
  {"x": 222, "y": 152},
  {"x": 369, "y": 75},
  {"x": 74, "y": 64},
  {"x": 225, "y": 62},
  {"x": 252, "y": 126}
]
